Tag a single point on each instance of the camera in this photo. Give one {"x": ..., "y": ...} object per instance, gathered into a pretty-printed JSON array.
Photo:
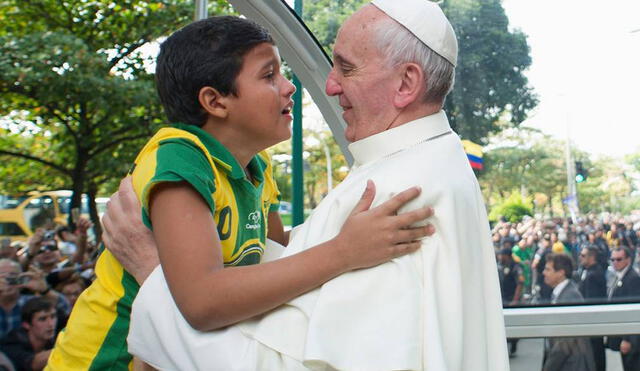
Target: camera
[{"x": 49, "y": 235}]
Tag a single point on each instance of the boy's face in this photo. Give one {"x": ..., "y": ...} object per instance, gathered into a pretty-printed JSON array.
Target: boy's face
[{"x": 262, "y": 108}]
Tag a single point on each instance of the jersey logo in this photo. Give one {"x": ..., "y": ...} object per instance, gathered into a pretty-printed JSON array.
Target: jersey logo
[
  {"x": 224, "y": 223},
  {"x": 254, "y": 220}
]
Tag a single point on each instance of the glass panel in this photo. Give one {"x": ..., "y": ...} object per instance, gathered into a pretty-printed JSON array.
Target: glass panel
[
  {"x": 521, "y": 90},
  {"x": 576, "y": 353},
  {"x": 11, "y": 229},
  {"x": 65, "y": 202},
  {"x": 10, "y": 202}
]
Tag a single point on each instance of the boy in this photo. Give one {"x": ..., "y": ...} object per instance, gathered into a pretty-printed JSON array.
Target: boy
[{"x": 208, "y": 194}]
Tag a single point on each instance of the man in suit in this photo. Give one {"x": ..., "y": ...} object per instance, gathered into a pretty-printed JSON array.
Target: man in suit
[
  {"x": 593, "y": 287},
  {"x": 565, "y": 354},
  {"x": 625, "y": 287}
]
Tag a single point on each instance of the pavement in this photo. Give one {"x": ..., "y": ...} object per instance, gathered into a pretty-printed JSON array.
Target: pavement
[{"x": 529, "y": 357}]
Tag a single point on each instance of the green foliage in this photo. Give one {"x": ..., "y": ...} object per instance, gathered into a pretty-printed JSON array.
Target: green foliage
[
  {"x": 76, "y": 99},
  {"x": 513, "y": 209},
  {"x": 534, "y": 164},
  {"x": 527, "y": 160},
  {"x": 324, "y": 18},
  {"x": 490, "y": 81}
]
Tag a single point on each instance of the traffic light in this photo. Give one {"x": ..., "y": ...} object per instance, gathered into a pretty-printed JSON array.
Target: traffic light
[{"x": 581, "y": 172}]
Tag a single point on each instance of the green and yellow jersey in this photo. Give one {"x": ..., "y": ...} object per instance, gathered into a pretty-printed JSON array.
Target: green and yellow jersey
[{"x": 96, "y": 334}]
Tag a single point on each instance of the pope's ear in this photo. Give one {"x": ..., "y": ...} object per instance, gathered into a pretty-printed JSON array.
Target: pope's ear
[
  {"x": 412, "y": 85},
  {"x": 213, "y": 102}
]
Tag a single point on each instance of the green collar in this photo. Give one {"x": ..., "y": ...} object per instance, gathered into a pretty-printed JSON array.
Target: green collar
[{"x": 222, "y": 156}]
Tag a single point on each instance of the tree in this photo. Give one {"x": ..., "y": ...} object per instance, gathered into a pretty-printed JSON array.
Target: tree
[
  {"x": 75, "y": 94},
  {"x": 527, "y": 161},
  {"x": 490, "y": 81},
  {"x": 513, "y": 209},
  {"x": 324, "y": 18}
]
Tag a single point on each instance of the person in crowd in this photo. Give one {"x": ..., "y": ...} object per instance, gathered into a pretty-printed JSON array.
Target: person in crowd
[
  {"x": 565, "y": 354},
  {"x": 592, "y": 283},
  {"x": 29, "y": 345},
  {"x": 593, "y": 287},
  {"x": 206, "y": 186},
  {"x": 511, "y": 281},
  {"x": 542, "y": 291},
  {"x": 572, "y": 246},
  {"x": 557, "y": 247},
  {"x": 625, "y": 287},
  {"x": 44, "y": 253},
  {"x": 8, "y": 250},
  {"x": 523, "y": 254},
  {"x": 12, "y": 281},
  {"x": 453, "y": 274},
  {"x": 601, "y": 246},
  {"x": 510, "y": 275},
  {"x": 613, "y": 236},
  {"x": 71, "y": 288}
]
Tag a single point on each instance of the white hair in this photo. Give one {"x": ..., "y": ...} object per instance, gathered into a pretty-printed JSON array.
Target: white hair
[{"x": 399, "y": 46}]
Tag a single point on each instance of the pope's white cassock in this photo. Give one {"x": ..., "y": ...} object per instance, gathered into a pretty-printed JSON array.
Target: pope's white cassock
[{"x": 436, "y": 309}]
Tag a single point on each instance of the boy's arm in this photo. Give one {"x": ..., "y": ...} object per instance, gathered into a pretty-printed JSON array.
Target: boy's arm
[
  {"x": 276, "y": 229},
  {"x": 211, "y": 297}
]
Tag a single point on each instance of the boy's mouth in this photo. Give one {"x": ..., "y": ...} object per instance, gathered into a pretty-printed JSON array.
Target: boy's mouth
[{"x": 287, "y": 109}]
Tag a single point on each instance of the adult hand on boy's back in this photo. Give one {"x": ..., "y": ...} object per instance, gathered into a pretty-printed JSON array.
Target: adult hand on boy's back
[{"x": 125, "y": 236}]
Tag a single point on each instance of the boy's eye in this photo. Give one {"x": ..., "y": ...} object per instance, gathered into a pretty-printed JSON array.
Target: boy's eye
[{"x": 269, "y": 75}]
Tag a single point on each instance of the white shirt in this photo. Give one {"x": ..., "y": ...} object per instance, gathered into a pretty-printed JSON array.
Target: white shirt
[{"x": 437, "y": 309}]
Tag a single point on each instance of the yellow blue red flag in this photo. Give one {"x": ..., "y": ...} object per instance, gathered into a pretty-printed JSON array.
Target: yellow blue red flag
[{"x": 474, "y": 154}]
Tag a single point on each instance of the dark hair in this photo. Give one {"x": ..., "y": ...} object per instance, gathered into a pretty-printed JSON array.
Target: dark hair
[
  {"x": 205, "y": 53},
  {"x": 33, "y": 306},
  {"x": 592, "y": 251},
  {"x": 75, "y": 278},
  {"x": 627, "y": 251},
  {"x": 561, "y": 262}
]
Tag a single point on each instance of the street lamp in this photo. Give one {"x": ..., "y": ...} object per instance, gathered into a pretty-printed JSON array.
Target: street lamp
[{"x": 201, "y": 10}]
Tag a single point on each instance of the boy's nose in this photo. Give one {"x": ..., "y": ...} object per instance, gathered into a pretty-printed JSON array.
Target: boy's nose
[{"x": 289, "y": 88}]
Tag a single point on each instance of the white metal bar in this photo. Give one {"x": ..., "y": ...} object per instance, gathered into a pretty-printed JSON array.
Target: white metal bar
[{"x": 582, "y": 320}]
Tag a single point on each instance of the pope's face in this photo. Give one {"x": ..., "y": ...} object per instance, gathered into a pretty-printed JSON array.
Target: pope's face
[{"x": 360, "y": 79}]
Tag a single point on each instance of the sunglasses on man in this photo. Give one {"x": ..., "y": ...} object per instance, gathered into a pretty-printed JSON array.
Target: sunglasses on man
[{"x": 47, "y": 247}]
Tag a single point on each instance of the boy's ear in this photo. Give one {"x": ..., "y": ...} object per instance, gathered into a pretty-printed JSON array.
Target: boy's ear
[
  {"x": 411, "y": 85},
  {"x": 213, "y": 102}
]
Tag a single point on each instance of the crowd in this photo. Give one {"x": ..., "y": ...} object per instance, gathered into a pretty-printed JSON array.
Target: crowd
[
  {"x": 558, "y": 261},
  {"x": 540, "y": 262},
  {"x": 40, "y": 281}
]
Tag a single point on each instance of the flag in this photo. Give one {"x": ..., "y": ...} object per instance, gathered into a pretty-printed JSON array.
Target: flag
[{"x": 474, "y": 153}]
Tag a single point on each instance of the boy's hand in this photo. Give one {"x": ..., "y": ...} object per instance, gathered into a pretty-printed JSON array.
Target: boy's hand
[
  {"x": 125, "y": 236},
  {"x": 373, "y": 236}
]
